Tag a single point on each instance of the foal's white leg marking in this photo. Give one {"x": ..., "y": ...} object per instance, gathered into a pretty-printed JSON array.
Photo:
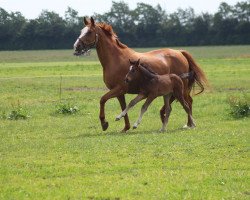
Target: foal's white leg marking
[
  {"x": 123, "y": 113},
  {"x": 138, "y": 98},
  {"x": 188, "y": 127},
  {"x": 143, "y": 110}
]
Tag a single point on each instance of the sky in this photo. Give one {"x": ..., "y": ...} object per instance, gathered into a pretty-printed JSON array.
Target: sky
[{"x": 32, "y": 8}]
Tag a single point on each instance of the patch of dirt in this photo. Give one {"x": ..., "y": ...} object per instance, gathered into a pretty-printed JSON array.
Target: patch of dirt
[
  {"x": 85, "y": 88},
  {"x": 232, "y": 89}
]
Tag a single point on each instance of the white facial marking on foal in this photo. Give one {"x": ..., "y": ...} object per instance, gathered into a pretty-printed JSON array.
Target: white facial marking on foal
[
  {"x": 131, "y": 67},
  {"x": 83, "y": 33}
]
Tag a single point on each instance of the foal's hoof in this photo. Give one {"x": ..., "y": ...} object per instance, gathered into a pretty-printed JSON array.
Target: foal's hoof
[
  {"x": 105, "y": 125},
  {"x": 162, "y": 130},
  {"x": 117, "y": 119},
  {"x": 188, "y": 126},
  {"x": 134, "y": 127}
]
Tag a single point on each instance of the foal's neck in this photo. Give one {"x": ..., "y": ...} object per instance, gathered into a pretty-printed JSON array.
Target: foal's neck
[{"x": 147, "y": 74}]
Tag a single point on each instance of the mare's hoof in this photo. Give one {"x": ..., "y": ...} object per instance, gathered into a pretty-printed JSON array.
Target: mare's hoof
[
  {"x": 134, "y": 127},
  {"x": 105, "y": 125},
  {"x": 126, "y": 128}
]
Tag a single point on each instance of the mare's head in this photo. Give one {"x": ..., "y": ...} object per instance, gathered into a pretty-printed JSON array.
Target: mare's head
[
  {"x": 134, "y": 71},
  {"x": 87, "y": 38}
]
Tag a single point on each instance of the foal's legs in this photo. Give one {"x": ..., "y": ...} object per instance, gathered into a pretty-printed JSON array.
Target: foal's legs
[
  {"x": 138, "y": 98},
  {"x": 167, "y": 111},
  {"x": 143, "y": 110},
  {"x": 163, "y": 109}
]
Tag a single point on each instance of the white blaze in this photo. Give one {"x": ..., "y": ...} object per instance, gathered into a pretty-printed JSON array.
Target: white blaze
[{"x": 83, "y": 33}]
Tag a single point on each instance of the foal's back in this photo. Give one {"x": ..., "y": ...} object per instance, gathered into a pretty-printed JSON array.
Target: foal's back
[{"x": 166, "y": 84}]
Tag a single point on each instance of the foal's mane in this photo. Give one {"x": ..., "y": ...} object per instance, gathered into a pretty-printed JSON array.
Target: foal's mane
[
  {"x": 108, "y": 30},
  {"x": 148, "y": 69},
  {"x": 147, "y": 72}
]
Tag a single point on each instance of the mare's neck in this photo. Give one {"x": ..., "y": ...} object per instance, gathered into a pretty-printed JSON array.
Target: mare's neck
[{"x": 108, "y": 51}]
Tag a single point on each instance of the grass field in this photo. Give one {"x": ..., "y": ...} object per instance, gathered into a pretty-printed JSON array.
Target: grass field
[{"x": 53, "y": 156}]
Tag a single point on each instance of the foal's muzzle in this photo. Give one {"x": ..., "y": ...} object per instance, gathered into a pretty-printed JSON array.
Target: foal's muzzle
[{"x": 126, "y": 80}]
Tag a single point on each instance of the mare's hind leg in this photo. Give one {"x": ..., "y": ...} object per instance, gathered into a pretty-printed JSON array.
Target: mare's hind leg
[
  {"x": 143, "y": 110},
  {"x": 185, "y": 105},
  {"x": 138, "y": 98},
  {"x": 167, "y": 111},
  {"x": 188, "y": 99},
  {"x": 190, "y": 102}
]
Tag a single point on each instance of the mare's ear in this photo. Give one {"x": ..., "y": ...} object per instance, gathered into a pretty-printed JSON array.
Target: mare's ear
[
  {"x": 92, "y": 21},
  {"x": 86, "y": 22}
]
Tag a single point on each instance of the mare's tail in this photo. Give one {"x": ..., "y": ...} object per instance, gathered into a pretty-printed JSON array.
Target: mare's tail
[{"x": 198, "y": 77}]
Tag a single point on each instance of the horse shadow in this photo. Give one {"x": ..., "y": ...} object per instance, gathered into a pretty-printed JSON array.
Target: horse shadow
[{"x": 121, "y": 134}]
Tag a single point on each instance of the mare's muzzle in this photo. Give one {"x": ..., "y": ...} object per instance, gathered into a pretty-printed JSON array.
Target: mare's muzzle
[{"x": 81, "y": 49}]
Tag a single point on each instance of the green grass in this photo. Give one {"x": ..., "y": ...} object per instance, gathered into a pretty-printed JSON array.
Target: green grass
[
  {"x": 66, "y": 55},
  {"x": 52, "y": 156}
]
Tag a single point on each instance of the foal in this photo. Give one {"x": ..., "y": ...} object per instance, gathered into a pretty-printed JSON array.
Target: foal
[{"x": 153, "y": 85}]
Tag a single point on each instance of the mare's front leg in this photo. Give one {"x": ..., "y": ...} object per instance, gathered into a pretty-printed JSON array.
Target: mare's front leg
[
  {"x": 122, "y": 102},
  {"x": 115, "y": 92},
  {"x": 138, "y": 98},
  {"x": 143, "y": 110}
]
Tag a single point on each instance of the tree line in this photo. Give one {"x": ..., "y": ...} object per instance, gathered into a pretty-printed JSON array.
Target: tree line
[{"x": 144, "y": 26}]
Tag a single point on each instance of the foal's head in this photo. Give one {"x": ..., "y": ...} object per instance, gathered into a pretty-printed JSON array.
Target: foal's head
[{"x": 134, "y": 71}]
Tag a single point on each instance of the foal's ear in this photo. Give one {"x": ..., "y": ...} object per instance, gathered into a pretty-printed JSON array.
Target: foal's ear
[
  {"x": 92, "y": 21},
  {"x": 86, "y": 22},
  {"x": 131, "y": 62},
  {"x": 138, "y": 62}
]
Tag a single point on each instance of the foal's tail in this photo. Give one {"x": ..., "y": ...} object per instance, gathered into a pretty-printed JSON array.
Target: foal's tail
[{"x": 198, "y": 77}]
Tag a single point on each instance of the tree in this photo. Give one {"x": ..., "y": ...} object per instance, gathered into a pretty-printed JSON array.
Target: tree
[
  {"x": 50, "y": 29},
  {"x": 71, "y": 17},
  {"x": 143, "y": 26},
  {"x": 148, "y": 21}
]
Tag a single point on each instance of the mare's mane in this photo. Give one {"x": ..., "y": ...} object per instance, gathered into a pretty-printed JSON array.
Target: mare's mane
[{"x": 108, "y": 30}]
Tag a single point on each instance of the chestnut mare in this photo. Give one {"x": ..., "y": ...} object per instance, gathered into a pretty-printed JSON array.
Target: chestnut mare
[
  {"x": 152, "y": 86},
  {"x": 114, "y": 57}
]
